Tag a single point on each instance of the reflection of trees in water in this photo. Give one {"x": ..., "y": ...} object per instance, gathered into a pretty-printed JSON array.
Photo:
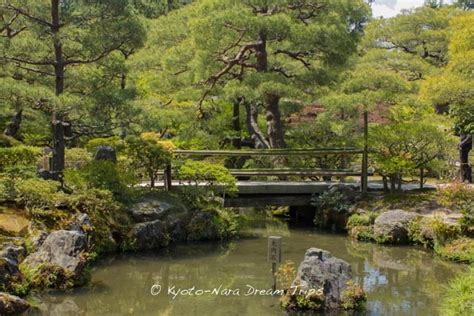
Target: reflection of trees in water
[
  {"x": 399, "y": 278},
  {"x": 396, "y": 278},
  {"x": 129, "y": 281}
]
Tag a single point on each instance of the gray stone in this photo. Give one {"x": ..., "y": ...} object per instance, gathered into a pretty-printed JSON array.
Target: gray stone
[
  {"x": 82, "y": 223},
  {"x": 153, "y": 208},
  {"x": 9, "y": 258},
  {"x": 105, "y": 153},
  {"x": 149, "y": 235},
  {"x": 177, "y": 230},
  {"x": 12, "y": 305},
  {"x": 201, "y": 227},
  {"x": 150, "y": 210},
  {"x": 392, "y": 226},
  {"x": 64, "y": 249},
  {"x": 38, "y": 238},
  {"x": 320, "y": 270}
]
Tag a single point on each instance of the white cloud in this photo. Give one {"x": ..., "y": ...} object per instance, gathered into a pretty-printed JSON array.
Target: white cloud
[{"x": 390, "y": 8}]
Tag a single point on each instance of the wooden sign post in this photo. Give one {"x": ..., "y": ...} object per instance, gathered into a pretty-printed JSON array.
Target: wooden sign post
[{"x": 274, "y": 255}]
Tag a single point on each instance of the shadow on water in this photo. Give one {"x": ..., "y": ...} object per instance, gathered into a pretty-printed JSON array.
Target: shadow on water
[{"x": 399, "y": 280}]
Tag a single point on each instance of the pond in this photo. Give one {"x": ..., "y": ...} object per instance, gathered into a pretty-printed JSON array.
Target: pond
[{"x": 398, "y": 280}]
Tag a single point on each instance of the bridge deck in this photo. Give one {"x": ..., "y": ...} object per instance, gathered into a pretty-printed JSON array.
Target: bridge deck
[{"x": 293, "y": 187}]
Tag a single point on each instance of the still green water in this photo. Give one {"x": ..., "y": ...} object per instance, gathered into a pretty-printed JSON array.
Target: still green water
[{"x": 398, "y": 280}]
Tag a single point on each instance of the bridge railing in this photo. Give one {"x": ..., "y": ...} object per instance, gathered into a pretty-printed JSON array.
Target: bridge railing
[{"x": 363, "y": 173}]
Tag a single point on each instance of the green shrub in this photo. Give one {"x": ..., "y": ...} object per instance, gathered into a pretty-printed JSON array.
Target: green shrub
[
  {"x": 218, "y": 180},
  {"x": 100, "y": 174},
  {"x": 456, "y": 196},
  {"x": 105, "y": 214},
  {"x": 18, "y": 156},
  {"x": 365, "y": 219},
  {"x": 8, "y": 141},
  {"x": 36, "y": 193},
  {"x": 459, "y": 250},
  {"x": 459, "y": 297},
  {"x": 147, "y": 155},
  {"x": 443, "y": 232},
  {"x": 77, "y": 158},
  {"x": 331, "y": 210},
  {"x": 353, "y": 297}
]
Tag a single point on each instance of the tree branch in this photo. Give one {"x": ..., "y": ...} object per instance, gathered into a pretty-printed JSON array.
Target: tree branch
[
  {"x": 296, "y": 55},
  {"x": 28, "y": 15}
]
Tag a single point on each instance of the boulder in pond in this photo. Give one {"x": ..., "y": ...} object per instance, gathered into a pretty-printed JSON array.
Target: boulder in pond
[
  {"x": 62, "y": 249},
  {"x": 149, "y": 235},
  {"x": 12, "y": 305},
  {"x": 392, "y": 226},
  {"x": 321, "y": 283},
  {"x": 202, "y": 227}
]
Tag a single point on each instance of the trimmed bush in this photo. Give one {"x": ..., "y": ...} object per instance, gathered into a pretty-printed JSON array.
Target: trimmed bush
[
  {"x": 36, "y": 193},
  {"x": 18, "y": 155}
]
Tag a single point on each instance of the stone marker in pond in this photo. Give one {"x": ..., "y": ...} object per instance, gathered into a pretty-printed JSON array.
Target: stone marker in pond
[{"x": 323, "y": 282}]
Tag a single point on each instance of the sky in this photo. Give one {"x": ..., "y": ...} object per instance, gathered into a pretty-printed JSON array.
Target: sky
[{"x": 389, "y": 8}]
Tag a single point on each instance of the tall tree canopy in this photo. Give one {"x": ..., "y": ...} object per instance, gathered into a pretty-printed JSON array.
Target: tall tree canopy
[
  {"x": 47, "y": 43},
  {"x": 253, "y": 52}
]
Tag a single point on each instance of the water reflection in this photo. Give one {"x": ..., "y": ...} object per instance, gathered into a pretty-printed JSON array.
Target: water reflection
[{"x": 399, "y": 280}]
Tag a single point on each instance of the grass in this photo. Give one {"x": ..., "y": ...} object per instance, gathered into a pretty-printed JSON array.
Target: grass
[{"x": 459, "y": 298}]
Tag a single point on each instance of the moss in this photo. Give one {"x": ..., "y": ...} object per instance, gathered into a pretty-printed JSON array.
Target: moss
[
  {"x": 459, "y": 297},
  {"x": 47, "y": 276},
  {"x": 310, "y": 300},
  {"x": 363, "y": 233},
  {"x": 360, "y": 226},
  {"x": 459, "y": 250},
  {"x": 353, "y": 297}
]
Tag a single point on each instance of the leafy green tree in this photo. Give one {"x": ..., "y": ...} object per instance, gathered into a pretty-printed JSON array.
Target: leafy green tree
[
  {"x": 255, "y": 53},
  {"x": 452, "y": 87},
  {"x": 65, "y": 35},
  {"x": 148, "y": 155}
]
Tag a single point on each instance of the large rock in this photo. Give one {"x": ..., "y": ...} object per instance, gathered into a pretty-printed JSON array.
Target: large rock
[
  {"x": 65, "y": 249},
  {"x": 202, "y": 227},
  {"x": 13, "y": 224},
  {"x": 12, "y": 305},
  {"x": 162, "y": 207},
  {"x": 321, "y": 271},
  {"x": 9, "y": 257},
  {"x": 392, "y": 226},
  {"x": 149, "y": 235}
]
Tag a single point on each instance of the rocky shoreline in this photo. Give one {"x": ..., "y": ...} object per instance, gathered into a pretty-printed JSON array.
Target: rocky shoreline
[{"x": 60, "y": 259}]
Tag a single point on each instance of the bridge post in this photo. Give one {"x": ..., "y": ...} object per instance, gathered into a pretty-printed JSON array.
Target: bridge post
[
  {"x": 167, "y": 178},
  {"x": 364, "y": 183}
]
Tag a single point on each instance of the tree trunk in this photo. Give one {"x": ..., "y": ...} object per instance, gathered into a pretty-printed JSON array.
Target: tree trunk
[
  {"x": 13, "y": 128},
  {"x": 57, "y": 165},
  {"x": 237, "y": 139},
  {"x": 273, "y": 116},
  {"x": 252, "y": 126},
  {"x": 385, "y": 183},
  {"x": 274, "y": 125}
]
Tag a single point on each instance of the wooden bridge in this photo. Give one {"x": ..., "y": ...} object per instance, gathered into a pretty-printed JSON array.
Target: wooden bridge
[{"x": 282, "y": 191}]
